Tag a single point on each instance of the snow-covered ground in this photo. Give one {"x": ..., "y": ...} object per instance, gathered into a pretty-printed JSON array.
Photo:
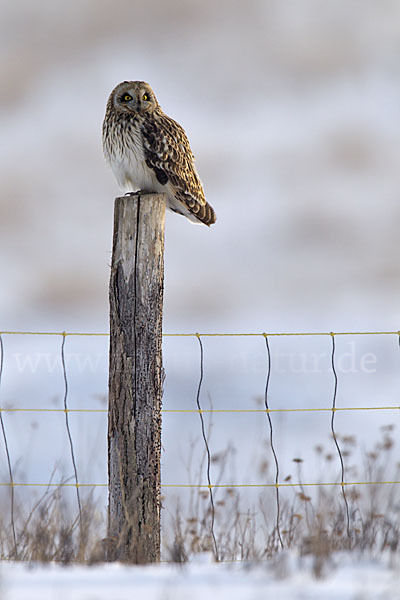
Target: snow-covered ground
[{"x": 289, "y": 579}]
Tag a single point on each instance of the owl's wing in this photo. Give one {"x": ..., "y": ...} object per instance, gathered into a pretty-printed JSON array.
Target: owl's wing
[{"x": 168, "y": 153}]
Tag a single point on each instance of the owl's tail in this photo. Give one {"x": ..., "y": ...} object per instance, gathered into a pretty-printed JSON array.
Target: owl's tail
[
  {"x": 207, "y": 214},
  {"x": 198, "y": 213}
]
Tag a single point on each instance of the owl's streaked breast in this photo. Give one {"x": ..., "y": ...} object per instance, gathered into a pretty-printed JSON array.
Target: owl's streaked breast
[{"x": 124, "y": 151}]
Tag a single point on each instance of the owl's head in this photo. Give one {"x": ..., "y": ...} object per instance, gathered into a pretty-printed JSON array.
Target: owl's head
[{"x": 133, "y": 97}]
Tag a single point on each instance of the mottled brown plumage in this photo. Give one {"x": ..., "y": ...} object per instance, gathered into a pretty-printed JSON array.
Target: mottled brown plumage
[{"x": 149, "y": 151}]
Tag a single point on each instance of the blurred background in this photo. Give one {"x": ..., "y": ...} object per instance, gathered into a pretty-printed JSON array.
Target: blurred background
[{"x": 293, "y": 112}]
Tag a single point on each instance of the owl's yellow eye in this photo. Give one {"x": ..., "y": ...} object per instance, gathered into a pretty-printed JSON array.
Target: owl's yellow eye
[
  {"x": 127, "y": 98},
  {"x": 145, "y": 97}
]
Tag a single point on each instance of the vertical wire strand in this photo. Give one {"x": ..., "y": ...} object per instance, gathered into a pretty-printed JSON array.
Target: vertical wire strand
[
  {"x": 71, "y": 445},
  {"x": 278, "y": 506},
  {"x": 207, "y": 447},
  {"x": 334, "y": 433},
  {"x": 10, "y": 473}
]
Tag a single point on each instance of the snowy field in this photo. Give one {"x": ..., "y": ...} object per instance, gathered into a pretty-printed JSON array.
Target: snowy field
[{"x": 289, "y": 579}]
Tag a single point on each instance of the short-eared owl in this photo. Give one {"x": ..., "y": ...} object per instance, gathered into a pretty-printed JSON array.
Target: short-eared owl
[{"x": 149, "y": 151}]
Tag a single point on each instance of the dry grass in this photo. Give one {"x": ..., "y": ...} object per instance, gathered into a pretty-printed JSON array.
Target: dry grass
[
  {"x": 51, "y": 532},
  {"x": 313, "y": 524}
]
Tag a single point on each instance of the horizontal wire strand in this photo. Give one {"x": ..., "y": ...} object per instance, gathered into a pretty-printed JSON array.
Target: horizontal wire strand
[
  {"x": 260, "y": 334},
  {"x": 206, "y": 486},
  {"x": 207, "y": 410}
]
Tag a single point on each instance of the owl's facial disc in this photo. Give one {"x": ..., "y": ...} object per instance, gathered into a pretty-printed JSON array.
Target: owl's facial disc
[{"x": 134, "y": 97}]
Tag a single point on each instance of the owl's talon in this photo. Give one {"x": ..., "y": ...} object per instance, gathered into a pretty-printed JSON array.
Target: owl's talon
[{"x": 134, "y": 193}]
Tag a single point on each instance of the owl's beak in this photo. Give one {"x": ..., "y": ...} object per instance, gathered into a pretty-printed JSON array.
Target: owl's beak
[{"x": 133, "y": 104}]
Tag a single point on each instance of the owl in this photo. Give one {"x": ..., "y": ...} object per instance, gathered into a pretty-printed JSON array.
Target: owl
[{"x": 149, "y": 151}]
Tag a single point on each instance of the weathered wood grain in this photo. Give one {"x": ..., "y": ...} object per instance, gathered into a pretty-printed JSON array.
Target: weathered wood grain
[{"x": 135, "y": 378}]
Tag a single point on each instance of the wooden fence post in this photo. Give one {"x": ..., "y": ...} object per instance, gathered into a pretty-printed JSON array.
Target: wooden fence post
[{"x": 135, "y": 378}]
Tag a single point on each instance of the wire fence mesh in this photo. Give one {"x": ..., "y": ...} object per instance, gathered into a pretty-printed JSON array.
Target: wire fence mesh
[{"x": 343, "y": 481}]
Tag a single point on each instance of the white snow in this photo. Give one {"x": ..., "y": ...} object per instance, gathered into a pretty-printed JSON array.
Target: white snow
[{"x": 291, "y": 578}]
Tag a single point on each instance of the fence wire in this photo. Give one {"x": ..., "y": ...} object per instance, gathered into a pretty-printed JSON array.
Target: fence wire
[
  {"x": 253, "y": 334},
  {"x": 3, "y": 431},
  {"x": 207, "y": 448},
  {"x": 339, "y": 451},
  {"x": 71, "y": 445},
  {"x": 268, "y": 410}
]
